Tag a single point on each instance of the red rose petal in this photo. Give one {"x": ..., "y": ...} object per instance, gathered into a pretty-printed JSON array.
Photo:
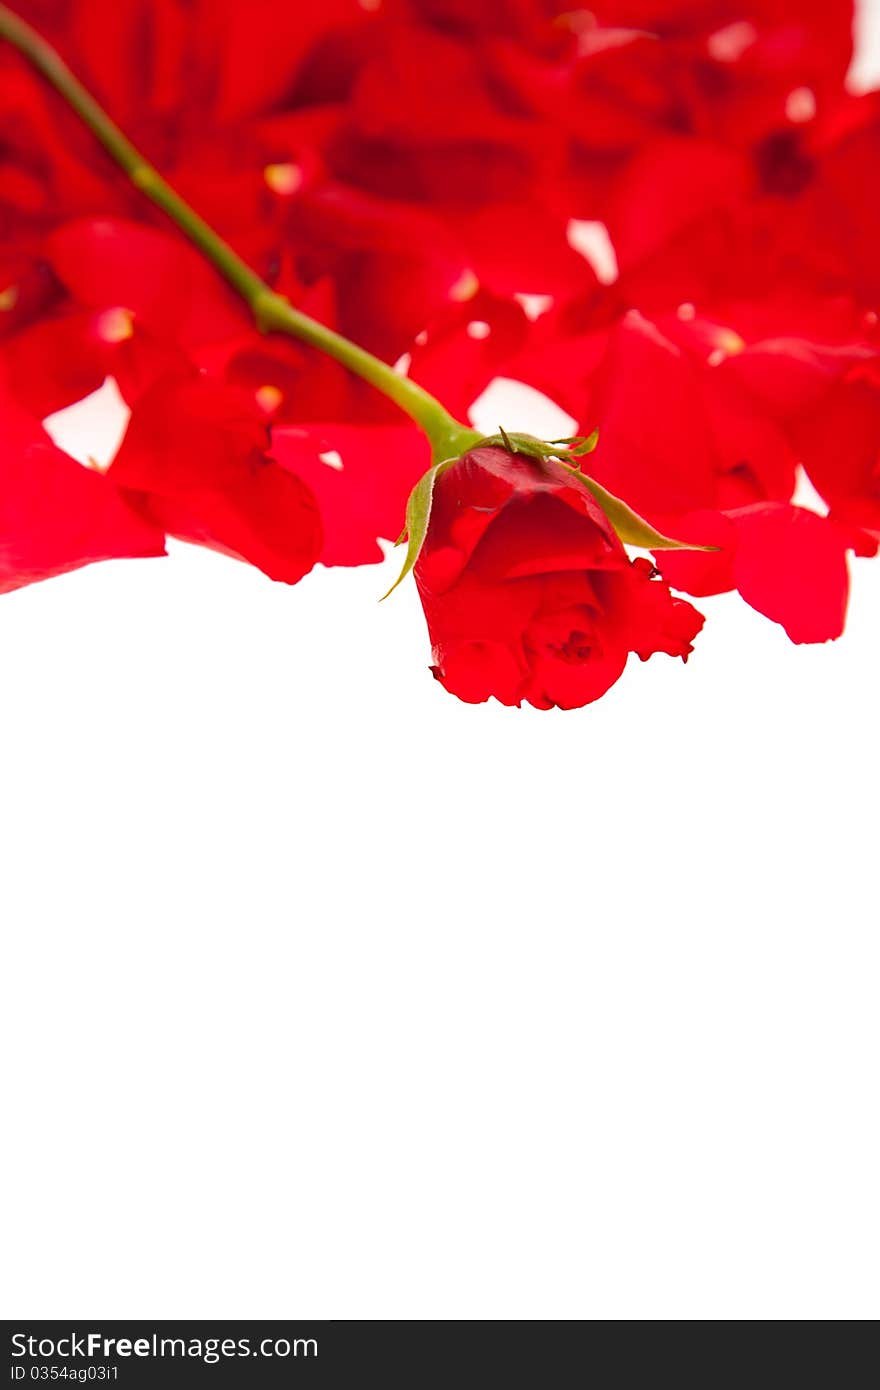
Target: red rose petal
[
  {"x": 56, "y": 515},
  {"x": 366, "y": 497},
  {"x": 194, "y": 457},
  {"x": 790, "y": 565}
]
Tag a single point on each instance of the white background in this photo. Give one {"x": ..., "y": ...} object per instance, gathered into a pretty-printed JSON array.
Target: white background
[{"x": 326, "y": 995}]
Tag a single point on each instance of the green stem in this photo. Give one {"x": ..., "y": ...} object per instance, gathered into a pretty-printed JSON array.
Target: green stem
[{"x": 272, "y": 312}]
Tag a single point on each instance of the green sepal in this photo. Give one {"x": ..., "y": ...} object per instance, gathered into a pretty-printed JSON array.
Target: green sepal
[
  {"x": 572, "y": 448},
  {"x": 418, "y": 514},
  {"x": 575, "y": 446},
  {"x": 631, "y": 528}
]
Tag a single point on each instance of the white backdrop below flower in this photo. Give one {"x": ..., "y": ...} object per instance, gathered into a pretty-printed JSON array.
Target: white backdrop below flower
[{"x": 328, "y": 995}]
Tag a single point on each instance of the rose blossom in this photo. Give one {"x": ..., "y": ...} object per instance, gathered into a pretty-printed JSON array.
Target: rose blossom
[{"x": 527, "y": 590}]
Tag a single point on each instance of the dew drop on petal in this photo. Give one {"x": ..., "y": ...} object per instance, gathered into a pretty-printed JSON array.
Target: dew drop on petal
[
  {"x": 269, "y": 398},
  {"x": 465, "y": 287},
  {"x": 731, "y": 342},
  {"x": 727, "y": 344},
  {"x": 284, "y": 179},
  {"x": 114, "y": 325}
]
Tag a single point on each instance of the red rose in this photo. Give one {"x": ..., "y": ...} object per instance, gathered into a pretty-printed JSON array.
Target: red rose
[{"x": 527, "y": 591}]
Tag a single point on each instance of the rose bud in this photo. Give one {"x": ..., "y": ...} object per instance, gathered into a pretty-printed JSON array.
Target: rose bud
[{"x": 528, "y": 593}]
